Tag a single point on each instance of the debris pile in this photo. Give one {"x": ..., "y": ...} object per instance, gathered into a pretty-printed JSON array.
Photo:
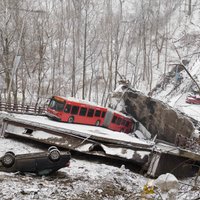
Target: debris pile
[{"x": 192, "y": 144}]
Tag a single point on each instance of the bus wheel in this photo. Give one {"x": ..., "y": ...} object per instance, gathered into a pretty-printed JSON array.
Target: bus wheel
[
  {"x": 71, "y": 119},
  {"x": 97, "y": 123}
]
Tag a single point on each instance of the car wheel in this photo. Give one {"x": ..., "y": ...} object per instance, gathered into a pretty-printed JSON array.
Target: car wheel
[
  {"x": 52, "y": 147},
  {"x": 10, "y": 152},
  {"x": 71, "y": 119},
  {"x": 54, "y": 155},
  {"x": 97, "y": 123},
  {"x": 8, "y": 159}
]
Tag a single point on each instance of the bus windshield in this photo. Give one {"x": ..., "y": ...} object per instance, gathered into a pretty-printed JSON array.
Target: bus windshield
[{"x": 56, "y": 105}]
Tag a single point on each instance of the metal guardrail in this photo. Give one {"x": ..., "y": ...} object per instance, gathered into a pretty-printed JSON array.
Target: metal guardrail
[{"x": 21, "y": 108}]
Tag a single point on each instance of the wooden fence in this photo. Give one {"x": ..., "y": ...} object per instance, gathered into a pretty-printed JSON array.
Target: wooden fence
[{"x": 21, "y": 108}]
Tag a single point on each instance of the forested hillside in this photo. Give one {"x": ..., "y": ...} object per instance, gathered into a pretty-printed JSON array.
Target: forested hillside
[{"x": 82, "y": 48}]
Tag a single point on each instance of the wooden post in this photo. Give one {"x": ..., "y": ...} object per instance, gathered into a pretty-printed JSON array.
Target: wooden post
[{"x": 27, "y": 108}]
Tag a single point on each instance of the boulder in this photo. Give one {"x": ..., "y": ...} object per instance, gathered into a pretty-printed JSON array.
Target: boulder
[
  {"x": 158, "y": 118},
  {"x": 167, "y": 182}
]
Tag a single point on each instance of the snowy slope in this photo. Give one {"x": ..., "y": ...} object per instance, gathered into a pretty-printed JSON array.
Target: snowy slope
[{"x": 175, "y": 93}]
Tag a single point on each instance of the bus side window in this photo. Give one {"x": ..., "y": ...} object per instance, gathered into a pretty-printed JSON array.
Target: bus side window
[
  {"x": 103, "y": 114},
  {"x": 97, "y": 113},
  {"x": 67, "y": 109},
  {"x": 123, "y": 122},
  {"x": 127, "y": 124},
  {"x": 119, "y": 121},
  {"x": 74, "y": 110},
  {"x": 83, "y": 111},
  {"x": 90, "y": 113},
  {"x": 114, "y": 119}
]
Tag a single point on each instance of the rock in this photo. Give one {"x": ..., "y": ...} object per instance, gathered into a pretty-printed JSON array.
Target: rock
[
  {"x": 167, "y": 182},
  {"x": 172, "y": 194},
  {"x": 157, "y": 117}
]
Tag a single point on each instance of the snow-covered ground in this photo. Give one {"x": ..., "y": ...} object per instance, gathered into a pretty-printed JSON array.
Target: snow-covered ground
[
  {"x": 191, "y": 110},
  {"x": 175, "y": 93},
  {"x": 82, "y": 180}
]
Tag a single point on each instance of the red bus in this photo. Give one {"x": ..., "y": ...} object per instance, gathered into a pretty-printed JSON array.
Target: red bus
[{"x": 82, "y": 112}]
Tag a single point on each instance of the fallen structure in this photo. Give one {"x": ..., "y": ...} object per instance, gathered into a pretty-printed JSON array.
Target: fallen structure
[
  {"x": 154, "y": 156},
  {"x": 90, "y": 140}
]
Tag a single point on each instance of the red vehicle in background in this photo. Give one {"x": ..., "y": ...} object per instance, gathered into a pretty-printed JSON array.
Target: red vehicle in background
[
  {"x": 82, "y": 112},
  {"x": 193, "y": 99}
]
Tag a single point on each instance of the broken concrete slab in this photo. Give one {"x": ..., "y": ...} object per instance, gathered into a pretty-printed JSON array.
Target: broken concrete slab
[{"x": 133, "y": 150}]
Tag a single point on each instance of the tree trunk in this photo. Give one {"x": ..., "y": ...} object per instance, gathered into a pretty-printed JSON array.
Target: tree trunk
[{"x": 84, "y": 55}]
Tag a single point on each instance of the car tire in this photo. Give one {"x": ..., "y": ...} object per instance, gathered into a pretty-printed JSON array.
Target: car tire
[
  {"x": 54, "y": 155},
  {"x": 8, "y": 159},
  {"x": 52, "y": 147},
  {"x": 71, "y": 119},
  {"x": 10, "y": 152}
]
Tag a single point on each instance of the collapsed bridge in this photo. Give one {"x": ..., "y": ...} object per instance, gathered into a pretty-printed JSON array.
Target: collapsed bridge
[{"x": 155, "y": 157}]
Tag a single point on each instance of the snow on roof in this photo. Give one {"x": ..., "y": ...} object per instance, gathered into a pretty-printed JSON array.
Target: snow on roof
[{"x": 83, "y": 101}]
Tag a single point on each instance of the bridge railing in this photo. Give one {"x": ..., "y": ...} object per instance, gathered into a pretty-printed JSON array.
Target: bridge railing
[{"x": 22, "y": 108}]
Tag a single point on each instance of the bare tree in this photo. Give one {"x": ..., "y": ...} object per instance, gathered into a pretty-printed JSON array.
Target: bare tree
[
  {"x": 85, "y": 47},
  {"x": 186, "y": 68},
  {"x": 189, "y": 7}
]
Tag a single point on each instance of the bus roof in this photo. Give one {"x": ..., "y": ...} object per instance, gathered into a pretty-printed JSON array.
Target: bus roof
[{"x": 73, "y": 99}]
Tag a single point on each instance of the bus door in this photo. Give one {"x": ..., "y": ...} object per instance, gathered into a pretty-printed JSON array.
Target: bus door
[{"x": 67, "y": 111}]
